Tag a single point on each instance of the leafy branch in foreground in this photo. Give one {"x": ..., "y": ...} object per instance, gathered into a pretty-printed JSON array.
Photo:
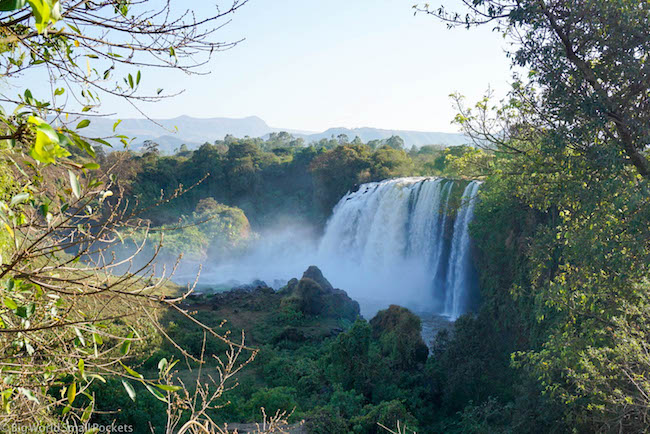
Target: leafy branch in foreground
[
  {"x": 71, "y": 310},
  {"x": 88, "y": 50},
  {"x": 72, "y": 314}
]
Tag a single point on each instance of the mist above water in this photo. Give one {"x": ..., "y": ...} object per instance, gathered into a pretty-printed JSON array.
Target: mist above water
[
  {"x": 392, "y": 242},
  {"x": 275, "y": 257}
]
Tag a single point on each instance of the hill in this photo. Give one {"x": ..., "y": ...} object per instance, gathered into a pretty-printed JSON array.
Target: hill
[{"x": 170, "y": 134}]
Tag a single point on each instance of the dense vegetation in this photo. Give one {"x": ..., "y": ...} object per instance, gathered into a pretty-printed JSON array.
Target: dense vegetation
[
  {"x": 274, "y": 180},
  {"x": 339, "y": 373}
]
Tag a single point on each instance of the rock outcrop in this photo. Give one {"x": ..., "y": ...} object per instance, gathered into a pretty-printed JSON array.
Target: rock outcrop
[{"x": 314, "y": 295}]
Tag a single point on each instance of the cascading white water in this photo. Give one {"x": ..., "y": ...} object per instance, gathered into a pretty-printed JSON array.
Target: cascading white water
[
  {"x": 389, "y": 242},
  {"x": 458, "y": 273},
  {"x": 400, "y": 241}
]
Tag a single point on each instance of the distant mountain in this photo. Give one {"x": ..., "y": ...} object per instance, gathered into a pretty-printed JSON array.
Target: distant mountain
[
  {"x": 417, "y": 138},
  {"x": 170, "y": 134}
]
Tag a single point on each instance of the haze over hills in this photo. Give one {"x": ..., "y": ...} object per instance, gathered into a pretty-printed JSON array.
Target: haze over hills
[
  {"x": 417, "y": 138},
  {"x": 172, "y": 133}
]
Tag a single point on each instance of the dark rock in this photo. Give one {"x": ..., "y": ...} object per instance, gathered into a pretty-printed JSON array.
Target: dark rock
[
  {"x": 313, "y": 295},
  {"x": 314, "y": 273},
  {"x": 250, "y": 287},
  {"x": 339, "y": 305},
  {"x": 289, "y": 287}
]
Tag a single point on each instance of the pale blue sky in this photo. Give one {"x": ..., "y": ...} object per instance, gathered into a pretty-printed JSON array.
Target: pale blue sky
[{"x": 315, "y": 64}]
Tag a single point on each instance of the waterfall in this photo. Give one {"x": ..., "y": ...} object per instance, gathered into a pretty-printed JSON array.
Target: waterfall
[
  {"x": 398, "y": 241},
  {"x": 456, "y": 290}
]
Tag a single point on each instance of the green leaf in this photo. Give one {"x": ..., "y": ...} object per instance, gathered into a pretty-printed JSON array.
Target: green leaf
[
  {"x": 131, "y": 81},
  {"x": 8, "y": 302},
  {"x": 129, "y": 389},
  {"x": 6, "y": 399},
  {"x": 97, "y": 339},
  {"x": 162, "y": 364},
  {"x": 29, "y": 348},
  {"x": 82, "y": 144},
  {"x": 156, "y": 393},
  {"x": 130, "y": 371},
  {"x": 91, "y": 166},
  {"x": 46, "y": 148},
  {"x": 29, "y": 394},
  {"x": 102, "y": 141},
  {"x": 124, "y": 348},
  {"x": 19, "y": 198},
  {"x": 59, "y": 91},
  {"x": 42, "y": 11},
  {"x": 26, "y": 311},
  {"x": 80, "y": 336},
  {"x": 98, "y": 377},
  {"x": 74, "y": 183},
  {"x": 85, "y": 416},
  {"x": 83, "y": 124},
  {"x": 11, "y": 5},
  {"x": 72, "y": 392},
  {"x": 168, "y": 388},
  {"x": 81, "y": 368},
  {"x": 116, "y": 124},
  {"x": 137, "y": 78},
  {"x": 76, "y": 29}
]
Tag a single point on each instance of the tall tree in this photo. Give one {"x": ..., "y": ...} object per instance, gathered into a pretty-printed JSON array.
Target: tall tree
[
  {"x": 571, "y": 143},
  {"x": 589, "y": 76}
]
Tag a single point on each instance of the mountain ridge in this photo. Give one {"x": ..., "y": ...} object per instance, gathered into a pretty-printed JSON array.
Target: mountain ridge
[{"x": 170, "y": 134}]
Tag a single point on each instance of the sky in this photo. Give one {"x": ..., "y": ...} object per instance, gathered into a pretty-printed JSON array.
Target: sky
[{"x": 316, "y": 64}]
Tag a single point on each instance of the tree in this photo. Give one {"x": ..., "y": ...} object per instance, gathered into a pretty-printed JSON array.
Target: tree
[
  {"x": 395, "y": 142},
  {"x": 339, "y": 170},
  {"x": 389, "y": 162},
  {"x": 570, "y": 143},
  {"x": 69, "y": 314},
  {"x": 151, "y": 147},
  {"x": 589, "y": 61}
]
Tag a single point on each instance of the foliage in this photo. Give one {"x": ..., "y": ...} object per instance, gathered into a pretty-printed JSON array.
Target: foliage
[
  {"x": 213, "y": 230},
  {"x": 562, "y": 223},
  {"x": 273, "y": 181},
  {"x": 68, "y": 321},
  {"x": 399, "y": 334},
  {"x": 586, "y": 91},
  {"x": 314, "y": 369}
]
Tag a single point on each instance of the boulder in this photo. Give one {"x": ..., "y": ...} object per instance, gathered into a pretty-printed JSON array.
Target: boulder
[
  {"x": 313, "y": 295},
  {"x": 314, "y": 273}
]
